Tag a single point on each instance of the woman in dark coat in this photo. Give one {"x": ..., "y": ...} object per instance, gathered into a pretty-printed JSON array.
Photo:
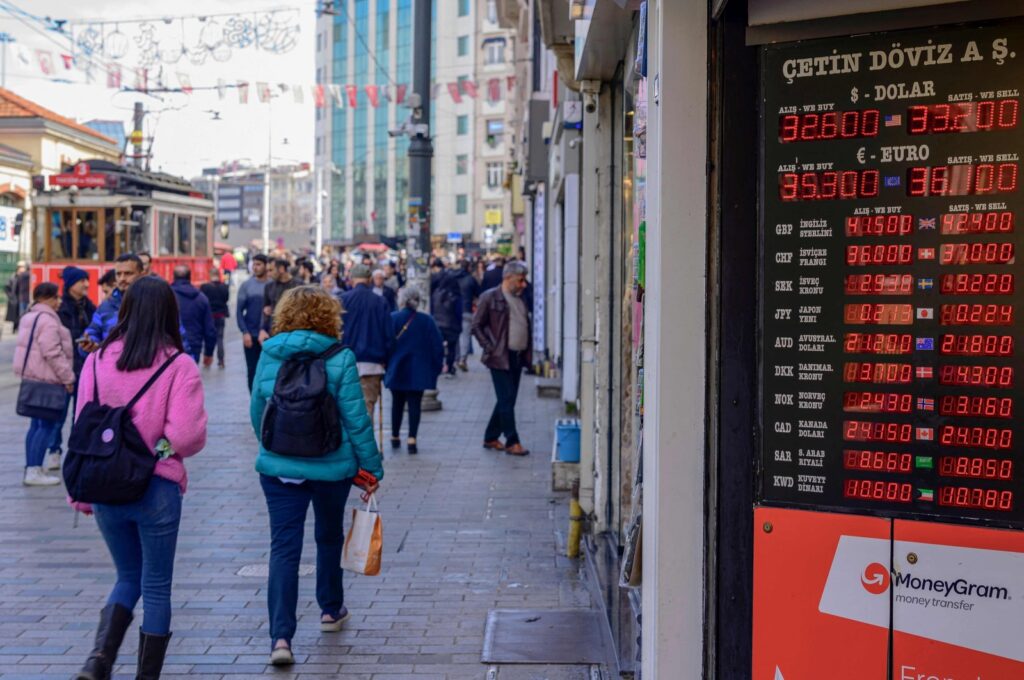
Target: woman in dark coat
[{"x": 415, "y": 364}]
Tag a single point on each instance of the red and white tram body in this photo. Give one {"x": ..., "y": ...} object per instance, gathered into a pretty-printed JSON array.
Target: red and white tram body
[{"x": 100, "y": 210}]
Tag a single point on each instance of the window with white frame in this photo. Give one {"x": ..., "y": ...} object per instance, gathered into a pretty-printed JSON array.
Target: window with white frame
[
  {"x": 495, "y": 175},
  {"x": 494, "y": 52}
]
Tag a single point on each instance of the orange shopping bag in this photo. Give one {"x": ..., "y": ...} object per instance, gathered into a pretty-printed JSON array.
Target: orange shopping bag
[{"x": 365, "y": 541}]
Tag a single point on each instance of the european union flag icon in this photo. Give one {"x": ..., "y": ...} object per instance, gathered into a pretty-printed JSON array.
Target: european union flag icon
[
  {"x": 925, "y": 283},
  {"x": 926, "y": 344},
  {"x": 892, "y": 181}
]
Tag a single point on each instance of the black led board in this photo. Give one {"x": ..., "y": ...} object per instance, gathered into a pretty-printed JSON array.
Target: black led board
[{"x": 891, "y": 292}]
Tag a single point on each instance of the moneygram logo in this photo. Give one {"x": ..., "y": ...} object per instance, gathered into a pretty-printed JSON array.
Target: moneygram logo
[{"x": 875, "y": 578}]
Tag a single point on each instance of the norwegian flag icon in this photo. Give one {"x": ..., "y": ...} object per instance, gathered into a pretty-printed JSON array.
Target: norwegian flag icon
[
  {"x": 925, "y": 372},
  {"x": 926, "y": 224},
  {"x": 925, "y": 312},
  {"x": 925, "y": 404},
  {"x": 925, "y": 434},
  {"x": 926, "y": 253}
]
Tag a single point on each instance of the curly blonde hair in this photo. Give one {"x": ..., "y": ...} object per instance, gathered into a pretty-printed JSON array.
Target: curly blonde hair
[{"x": 308, "y": 308}]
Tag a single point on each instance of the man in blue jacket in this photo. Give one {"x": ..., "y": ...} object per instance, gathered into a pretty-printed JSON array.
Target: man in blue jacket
[
  {"x": 367, "y": 332},
  {"x": 128, "y": 268},
  {"x": 249, "y": 313},
  {"x": 196, "y": 316}
]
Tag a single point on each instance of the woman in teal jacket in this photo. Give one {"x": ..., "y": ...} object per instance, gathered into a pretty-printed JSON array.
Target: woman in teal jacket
[{"x": 309, "y": 320}]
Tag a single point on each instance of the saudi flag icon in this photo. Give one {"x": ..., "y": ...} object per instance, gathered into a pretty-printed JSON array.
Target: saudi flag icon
[
  {"x": 926, "y": 494},
  {"x": 924, "y": 463}
]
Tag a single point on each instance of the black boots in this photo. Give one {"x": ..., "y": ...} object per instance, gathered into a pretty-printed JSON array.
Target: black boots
[
  {"x": 152, "y": 649},
  {"x": 114, "y": 622}
]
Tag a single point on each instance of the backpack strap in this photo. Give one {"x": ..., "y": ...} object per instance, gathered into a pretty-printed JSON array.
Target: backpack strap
[
  {"x": 152, "y": 379},
  {"x": 331, "y": 351}
]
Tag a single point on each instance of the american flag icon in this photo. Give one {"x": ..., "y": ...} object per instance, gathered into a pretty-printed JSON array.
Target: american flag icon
[
  {"x": 925, "y": 312},
  {"x": 926, "y": 253},
  {"x": 925, "y": 404},
  {"x": 926, "y": 224},
  {"x": 925, "y": 434},
  {"x": 894, "y": 120},
  {"x": 925, "y": 372}
]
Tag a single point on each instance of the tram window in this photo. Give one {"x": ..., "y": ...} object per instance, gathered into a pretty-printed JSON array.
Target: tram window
[
  {"x": 202, "y": 236},
  {"x": 137, "y": 241},
  {"x": 88, "y": 236},
  {"x": 61, "y": 235},
  {"x": 165, "y": 237},
  {"x": 185, "y": 235}
]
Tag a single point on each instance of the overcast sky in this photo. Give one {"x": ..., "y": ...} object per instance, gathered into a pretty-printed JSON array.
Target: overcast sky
[{"x": 187, "y": 138}]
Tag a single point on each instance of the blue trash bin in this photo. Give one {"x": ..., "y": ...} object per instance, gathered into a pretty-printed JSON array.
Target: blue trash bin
[{"x": 567, "y": 434}]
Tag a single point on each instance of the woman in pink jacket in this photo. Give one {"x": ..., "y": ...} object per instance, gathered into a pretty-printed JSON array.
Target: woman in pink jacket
[
  {"x": 142, "y": 536},
  {"x": 48, "y": 344}
]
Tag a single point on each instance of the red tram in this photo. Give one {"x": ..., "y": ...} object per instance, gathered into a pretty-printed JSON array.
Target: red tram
[{"x": 99, "y": 210}]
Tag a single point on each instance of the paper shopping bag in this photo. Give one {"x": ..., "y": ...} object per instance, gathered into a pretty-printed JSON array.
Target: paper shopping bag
[{"x": 364, "y": 542}]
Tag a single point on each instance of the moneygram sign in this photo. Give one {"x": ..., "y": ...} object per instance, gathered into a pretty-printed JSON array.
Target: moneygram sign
[{"x": 968, "y": 597}]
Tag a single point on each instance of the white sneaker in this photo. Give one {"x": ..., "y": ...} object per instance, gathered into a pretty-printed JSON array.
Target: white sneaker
[
  {"x": 34, "y": 476},
  {"x": 52, "y": 461}
]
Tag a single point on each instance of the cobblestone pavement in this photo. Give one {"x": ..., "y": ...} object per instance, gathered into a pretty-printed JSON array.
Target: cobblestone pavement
[{"x": 466, "y": 530}]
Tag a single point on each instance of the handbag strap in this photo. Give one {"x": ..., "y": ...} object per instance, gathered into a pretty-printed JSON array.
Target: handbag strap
[
  {"x": 28, "y": 350},
  {"x": 152, "y": 379},
  {"x": 406, "y": 326}
]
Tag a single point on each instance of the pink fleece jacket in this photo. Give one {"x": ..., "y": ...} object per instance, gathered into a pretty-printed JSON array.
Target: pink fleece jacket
[
  {"x": 50, "y": 359},
  {"x": 172, "y": 408}
]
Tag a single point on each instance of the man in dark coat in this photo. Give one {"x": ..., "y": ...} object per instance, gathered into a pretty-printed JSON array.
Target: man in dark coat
[
  {"x": 493, "y": 275},
  {"x": 469, "y": 289},
  {"x": 446, "y": 308},
  {"x": 502, "y": 327},
  {"x": 367, "y": 332},
  {"x": 217, "y": 292},
  {"x": 196, "y": 317}
]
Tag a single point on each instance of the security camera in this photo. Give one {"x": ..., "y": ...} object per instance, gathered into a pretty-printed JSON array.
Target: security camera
[
  {"x": 590, "y": 89},
  {"x": 574, "y": 143}
]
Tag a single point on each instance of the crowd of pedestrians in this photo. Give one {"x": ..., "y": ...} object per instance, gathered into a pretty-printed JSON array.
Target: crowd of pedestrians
[{"x": 320, "y": 341}]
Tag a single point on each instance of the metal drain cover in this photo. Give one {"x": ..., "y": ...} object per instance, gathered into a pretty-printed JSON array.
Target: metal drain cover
[
  {"x": 556, "y": 636},
  {"x": 262, "y": 570}
]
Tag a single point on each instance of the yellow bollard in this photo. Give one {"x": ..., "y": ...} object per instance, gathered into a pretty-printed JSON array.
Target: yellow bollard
[{"x": 575, "y": 529}]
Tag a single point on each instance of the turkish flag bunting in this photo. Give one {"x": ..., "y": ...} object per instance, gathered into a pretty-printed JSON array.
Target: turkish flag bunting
[
  {"x": 263, "y": 90},
  {"x": 45, "y": 60},
  {"x": 453, "y": 90},
  {"x": 400, "y": 93},
  {"x": 335, "y": 91},
  {"x": 243, "y": 92},
  {"x": 186, "y": 83},
  {"x": 297, "y": 93},
  {"x": 318, "y": 96},
  {"x": 469, "y": 89},
  {"x": 69, "y": 61},
  {"x": 114, "y": 76},
  {"x": 511, "y": 82},
  {"x": 494, "y": 90},
  {"x": 373, "y": 94},
  {"x": 353, "y": 95}
]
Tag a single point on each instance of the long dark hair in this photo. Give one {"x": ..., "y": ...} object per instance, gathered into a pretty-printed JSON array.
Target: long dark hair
[{"x": 147, "y": 322}]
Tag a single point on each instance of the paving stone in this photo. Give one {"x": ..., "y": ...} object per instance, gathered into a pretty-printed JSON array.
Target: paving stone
[{"x": 465, "y": 530}]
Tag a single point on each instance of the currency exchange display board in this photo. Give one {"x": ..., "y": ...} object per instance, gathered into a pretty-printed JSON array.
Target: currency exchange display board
[{"x": 892, "y": 220}]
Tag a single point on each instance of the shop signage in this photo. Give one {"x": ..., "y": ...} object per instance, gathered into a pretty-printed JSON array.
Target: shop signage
[
  {"x": 538, "y": 271},
  {"x": 8, "y": 241},
  {"x": 492, "y": 217},
  {"x": 81, "y": 177},
  {"x": 454, "y": 237}
]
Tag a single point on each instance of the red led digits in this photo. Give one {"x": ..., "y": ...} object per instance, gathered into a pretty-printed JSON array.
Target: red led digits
[
  {"x": 976, "y": 499},
  {"x": 877, "y": 461},
  {"x": 977, "y": 223},
  {"x": 875, "y": 490},
  {"x": 977, "y": 345},
  {"x": 971, "y": 467},
  {"x": 869, "y": 431},
  {"x": 879, "y": 284},
  {"x": 828, "y": 185},
  {"x": 974, "y": 284},
  {"x": 976, "y": 407},
  {"x": 962, "y": 180},
  {"x": 879, "y": 225},
  {"x": 976, "y": 315},
  {"x": 880, "y": 314},
  {"x": 877, "y": 373},
  {"x": 976, "y": 376},
  {"x": 877, "y": 402},
  {"x": 976, "y": 437},
  {"x": 810, "y": 127},
  {"x": 983, "y": 116},
  {"x": 878, "y": 343},
  {"x": 863, "y": 255},
  {"x": 974, "y": 253}
]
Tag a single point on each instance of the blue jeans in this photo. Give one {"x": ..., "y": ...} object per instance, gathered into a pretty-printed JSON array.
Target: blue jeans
[
  {"x": 57, "y": 443},
  {"x": 287, "y": 505},
  {"x": 142, "y": 537},
  {"x": 506, "y": 389},
  {"x": 37, "y": 441}
]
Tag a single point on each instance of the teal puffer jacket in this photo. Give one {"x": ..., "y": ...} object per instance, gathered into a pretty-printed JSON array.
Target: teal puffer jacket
[{"x": 358, "y": 448}]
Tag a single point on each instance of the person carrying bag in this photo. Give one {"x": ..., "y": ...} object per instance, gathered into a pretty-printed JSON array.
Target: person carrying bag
[
  {"x": 43, "y": 360},
  {"x": 140, "y": 414},
  {"x": 304, "y": 374}
]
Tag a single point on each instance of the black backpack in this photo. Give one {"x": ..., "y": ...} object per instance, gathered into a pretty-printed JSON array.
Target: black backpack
[
  {"x": 301, "y": 418},
  {"x": 108, "y": 462}
]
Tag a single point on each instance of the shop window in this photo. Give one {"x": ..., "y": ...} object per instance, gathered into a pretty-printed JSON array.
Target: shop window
[
  {"x": 165, "y": 234},
  {"x": 461, "y": 204}
]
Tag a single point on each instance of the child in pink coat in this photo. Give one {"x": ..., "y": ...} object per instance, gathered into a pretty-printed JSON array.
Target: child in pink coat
[
  {"x": 142, "y": 536},
  {"x": 43, "y": 354}
]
